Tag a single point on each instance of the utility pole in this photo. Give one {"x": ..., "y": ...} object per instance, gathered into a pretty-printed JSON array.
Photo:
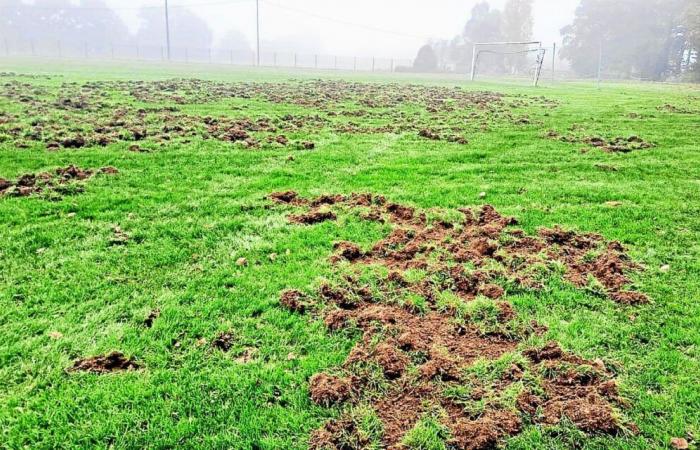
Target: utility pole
[
  {"x": 257, "y": 31},
  {"x": 167, "y": 29},
  {"x": 600, "y": 63},
  {"x": 554, "y": 57}
]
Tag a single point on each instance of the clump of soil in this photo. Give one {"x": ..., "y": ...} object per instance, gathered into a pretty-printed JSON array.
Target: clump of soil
[
  {"x": 327, "y": 390},
  {"x": 312, "y": 217},
  {"x": 615, "y": 145},
  {"x": 151, "y": 318},
  {"x": 112, "y": 362},
  {"x": 223, "y": 342},
  {"x": 57, "y": 182},
  {"x": 424, "y": 349},
  {"x": 294, "y": 300}
]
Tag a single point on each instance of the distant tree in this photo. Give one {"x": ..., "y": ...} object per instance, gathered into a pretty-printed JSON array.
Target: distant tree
[
  {"x": 637, "y": 36},
  {"x": 484, "y": 25},
  {"x": 426, "y": 60},
  {"x": 236, "y": 42},
  {"x": 691, "y": 21},
  {"x": 187, "y": 30},
  {"x": 517, "y": 23},
  {"x": 45, "y": 22}
]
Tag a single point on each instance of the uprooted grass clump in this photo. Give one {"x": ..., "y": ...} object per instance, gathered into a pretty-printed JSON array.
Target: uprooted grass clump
[
  {"x": 441, "y": 357},
  {"x": 61, "y": 181}
]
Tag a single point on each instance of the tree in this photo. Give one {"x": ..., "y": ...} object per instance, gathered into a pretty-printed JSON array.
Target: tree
[
  {"x": 691, "y": 21},
  {"x": 426, "y": 60},
  {"x": 46, "y": 22},
  {"x": 641, "y": 45},
  {"x": 517, "y": 26}
]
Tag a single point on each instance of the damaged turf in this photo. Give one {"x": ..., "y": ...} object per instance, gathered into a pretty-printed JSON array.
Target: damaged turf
[
  {"x": 443, "y": 346},
  {"x": 60, "y": 181}
]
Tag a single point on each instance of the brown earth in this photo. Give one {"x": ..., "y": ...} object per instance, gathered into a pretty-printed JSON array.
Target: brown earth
[
  {"x": 48, "y": 182},
  {"x": 424, "y": 353},
  {"x": 450, "y": 112},
  {"x": 112, "y": 362}
]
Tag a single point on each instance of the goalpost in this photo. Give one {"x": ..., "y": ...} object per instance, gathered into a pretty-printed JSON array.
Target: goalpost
[{"x": 492, "y": 48}]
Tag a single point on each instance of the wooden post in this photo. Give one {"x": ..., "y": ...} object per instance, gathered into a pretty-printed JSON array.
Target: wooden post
[
  {"x": 295, "y": 60},
  {"x": 354, "y": 64},
  {"x": 187, "y": 55},
  {"x": 33, "y": 50},
  {"x": 85, "y": 46},
  {"x": 391, "y": 69},
  {"x": 210, "y": 56},
  {"x": 316, "y": 61},
  {"x": 231, "y": 56},
  {"x": 58, "y": 46},
  {"x": 7, "y": 47},
  {"x": 373, "y": 63},
  {"x": 335, "y": 63}
]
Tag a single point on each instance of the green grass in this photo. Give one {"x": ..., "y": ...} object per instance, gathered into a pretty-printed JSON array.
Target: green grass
[{"x": 193, "y": 209}]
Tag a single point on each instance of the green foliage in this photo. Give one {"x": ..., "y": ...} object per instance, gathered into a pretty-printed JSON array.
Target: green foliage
[{"x": 427, "y": 434}]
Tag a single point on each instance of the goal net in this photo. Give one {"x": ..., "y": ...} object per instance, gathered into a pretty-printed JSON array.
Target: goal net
[{"x": 519, "y": 59}]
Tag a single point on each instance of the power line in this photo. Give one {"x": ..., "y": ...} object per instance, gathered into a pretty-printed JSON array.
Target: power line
[
  {"x": 125, "y": 8},
  {"x": 344, "y": 22}
]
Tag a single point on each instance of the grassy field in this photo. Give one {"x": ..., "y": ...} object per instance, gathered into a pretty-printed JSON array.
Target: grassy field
[{"x": 192, "y": 208}]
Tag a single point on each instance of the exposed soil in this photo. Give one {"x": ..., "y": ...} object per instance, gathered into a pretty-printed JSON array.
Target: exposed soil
[
  {"x": 312, "y": 217},
  {"x": 59, "y": 182},
  {"x": 615, "y": 145},
  {"x": 112, "y": 362},
  {"x": 223, "y": 342},
  {"x": 77, "y": 115},
  {"x": 421, "y": 340}
]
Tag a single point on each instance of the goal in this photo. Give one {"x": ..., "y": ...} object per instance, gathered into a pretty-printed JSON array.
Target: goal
[{"x": 511, "y": 49}]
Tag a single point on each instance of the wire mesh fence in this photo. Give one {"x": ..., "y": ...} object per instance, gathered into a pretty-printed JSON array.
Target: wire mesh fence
[{"x": 213, "y": 55}]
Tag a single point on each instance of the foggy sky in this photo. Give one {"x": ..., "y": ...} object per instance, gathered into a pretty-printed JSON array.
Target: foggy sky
[{"x": 408, "y": 23}]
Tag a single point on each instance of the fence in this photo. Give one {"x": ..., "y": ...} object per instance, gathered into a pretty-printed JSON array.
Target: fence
[{"x": 136, "y": 52}]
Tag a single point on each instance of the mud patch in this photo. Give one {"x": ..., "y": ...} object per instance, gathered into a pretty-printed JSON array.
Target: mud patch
[
  {"x": 112, "y": 362},
  {"x": 447, "y": 340},
  {"x": 61, "y": 181}
]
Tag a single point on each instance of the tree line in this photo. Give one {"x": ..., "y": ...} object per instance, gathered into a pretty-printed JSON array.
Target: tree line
[
  {"x": 93, "y": 22},
  {"x": 644, "y": 39}
]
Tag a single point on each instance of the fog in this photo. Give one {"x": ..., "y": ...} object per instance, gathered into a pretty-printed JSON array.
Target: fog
[
  {"x": 642, "y": 39},
  {"x": 389, "y": 28}
]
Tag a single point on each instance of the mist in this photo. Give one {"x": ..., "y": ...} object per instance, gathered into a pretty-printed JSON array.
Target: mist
[{"x": 657, "y": 41}]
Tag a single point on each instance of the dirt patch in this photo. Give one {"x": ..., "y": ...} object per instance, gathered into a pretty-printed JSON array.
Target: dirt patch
[
  {"x": 61, "y": 181},
  {"x": 448, "y": 113},
  {"x": 618, "y": 144},
  {"x": 327, "y": 390},
  {"x": 294, "y": 300},
  {"x": 223, "y": 342},
  {"x": 312, "y": 217},
  {"x": 112, "y": 362},
  {"x": 421, "y": 340}
]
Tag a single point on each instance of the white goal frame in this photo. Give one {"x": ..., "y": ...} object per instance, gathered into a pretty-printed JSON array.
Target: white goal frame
[{"x": 476, "y": 51}]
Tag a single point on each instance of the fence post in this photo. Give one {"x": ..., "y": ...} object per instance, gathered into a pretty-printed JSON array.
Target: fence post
[
  {"x": 85, "y": 49},
  {"x": 354, "y": 64},
  {"x": 392, "y": 66},
  {"x": 295, "y": 60},
  {"x": 138, "y": 52},
  {"x": 335, "y": 63},
  {"x": 162, "y": 53},
  {"x": 111, "y": 49},
  {"x": 231, "y": 56},
  {"x": 58, "y": 47},
  {"x": 7, "y": 47},
  {"x": 316, "y": 61},
  {"x": 554, "y": 55},
  {"x": 187, "y": 55},
  {"x": 33, "y": 51},
  {"x": 373, "y": 63},
  {"x": 274, "y": 59},
  {"x": 210, "y": 56}
]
